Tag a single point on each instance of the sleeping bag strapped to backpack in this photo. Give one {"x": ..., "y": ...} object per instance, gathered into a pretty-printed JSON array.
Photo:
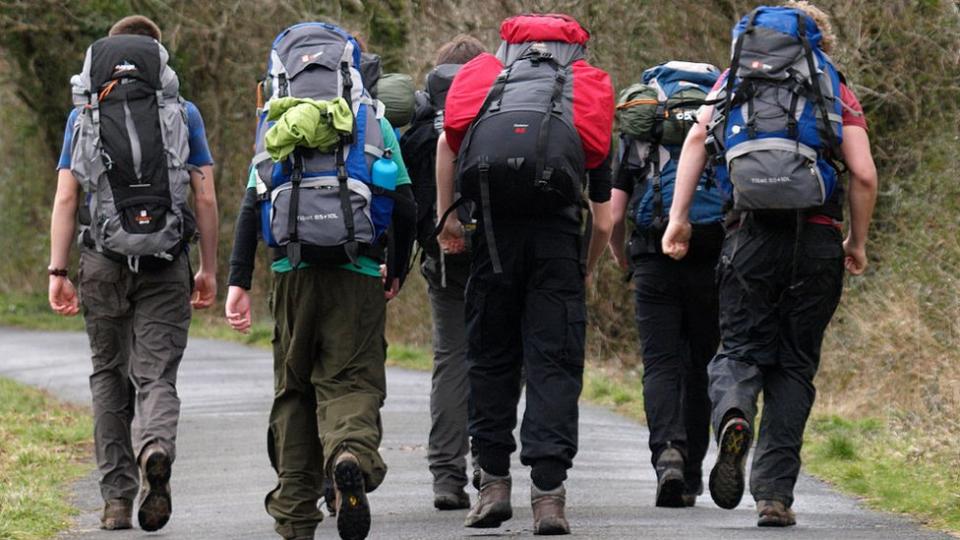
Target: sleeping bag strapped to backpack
[
  {"x": 655, "y": 116},
  {"x": 779, "y": 127},
  {"x": 130, "y": 147},
  {"x": 419, "y": 147},
  {"x": 532, "y": 120},
  {"x": 319, "y": 204}
]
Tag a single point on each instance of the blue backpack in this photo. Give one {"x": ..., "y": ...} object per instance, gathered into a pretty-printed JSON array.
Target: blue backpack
[
  {"x": 777, "y": 135},
  {"x": 681, "y": 88},
  {"x": 321, "y": 206}
]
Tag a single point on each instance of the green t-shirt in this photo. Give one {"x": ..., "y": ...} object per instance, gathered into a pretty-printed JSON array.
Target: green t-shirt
[{"x": 367, "y": 266}]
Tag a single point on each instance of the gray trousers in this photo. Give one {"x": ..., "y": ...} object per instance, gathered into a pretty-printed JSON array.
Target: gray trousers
[
  {"x": 137, "y": 324},
  {"x": 449, "y": 441}
]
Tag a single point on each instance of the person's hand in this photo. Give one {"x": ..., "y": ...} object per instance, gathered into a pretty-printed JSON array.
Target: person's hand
[
  {"x": 238, "y": 309},
  {"x": 204, "y": 290},
  {"x": 63, "y": 296},
  {"x": 451, "y": 238},
  {"x": 394, "y": 289},
  {"x": 621, "y": 260},
  {"x": 676, "y": 239},
  {"x": 855, "y": 260}
]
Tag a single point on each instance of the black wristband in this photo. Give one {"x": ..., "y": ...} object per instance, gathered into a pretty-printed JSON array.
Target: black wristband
[{"x": 59, "y": 272}]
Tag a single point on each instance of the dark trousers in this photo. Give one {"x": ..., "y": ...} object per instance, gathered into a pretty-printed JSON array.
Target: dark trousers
[
  {"x": 677, "y": 322},
  {"x": 449, "y": 393},
  {"x": 531, "y": 316},
  {"x": 777, "y": 295}
]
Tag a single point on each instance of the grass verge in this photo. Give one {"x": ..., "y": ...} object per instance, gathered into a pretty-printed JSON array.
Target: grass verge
[{"x": 44, "y": 448}]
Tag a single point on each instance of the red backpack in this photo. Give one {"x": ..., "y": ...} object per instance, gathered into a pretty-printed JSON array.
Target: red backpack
[{"x": 529, "y": 122}]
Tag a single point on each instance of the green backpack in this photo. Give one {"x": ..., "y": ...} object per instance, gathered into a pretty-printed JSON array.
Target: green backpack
[
  {"x": 663, "y": 107},
  {"x": 397, "y": 93}
]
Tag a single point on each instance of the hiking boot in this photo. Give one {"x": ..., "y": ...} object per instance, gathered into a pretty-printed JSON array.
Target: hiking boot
[
  {"x": 353, "y": 510},
  {"x": 670, "y": 478},
  {"x": 692, "y": 488},
  {"x": 493, "y": 503},
  {"x": 548, "y": 517},
  {"x": 155, "y": 503},
  {"x": 726, "y": 478},
  {"x": 330, "y": 498},
  {"x": 775, "y": 514},
  {"x": 117, "y": 515},
  {"x": 451, "y": 500}
]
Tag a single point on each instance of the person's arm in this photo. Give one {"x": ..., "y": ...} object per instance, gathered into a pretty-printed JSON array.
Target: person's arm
[
  {"x": 208, "y": 226},
  {"x": 451, "y": 236},
  {"x": 61, "y": 293},
  {"x": 242, "y": 259},
  {"x": 693, "y": 159},
  {"x": 862, "y": 196},
  {"x": 599, "y": 235},
  {"x": 619, "y": 200}
]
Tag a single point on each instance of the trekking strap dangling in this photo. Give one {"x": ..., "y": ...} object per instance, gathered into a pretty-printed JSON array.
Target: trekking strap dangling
[
  {"x": 586, "y": 235},
  {"x": 484, "y": 169},
  {"x": 657, "y": 187},
  {"x": 296, "y": 177},
  {"x": 346, "y": 208},
  {"x": 815, "y": 81},
  {"x": 543, "y": 174}
]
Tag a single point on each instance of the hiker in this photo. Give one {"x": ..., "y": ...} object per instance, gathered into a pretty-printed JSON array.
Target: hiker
[
  {"x": 525, "y": 144},
  {"x": 783, "y": 118},
  {"x": 446, "y": 276},
  {"x": 134, "y": 146},
  {"x": 326, "y": 183},
  {"x": 676, "y": 301}
]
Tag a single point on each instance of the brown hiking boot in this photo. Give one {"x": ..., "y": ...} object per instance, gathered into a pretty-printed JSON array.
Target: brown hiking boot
[
  {"x": 353, "y": 509},
  {"x": 117, "y": 515},
  {"x": 548, "y": 517},
  {"x": 155, "y": 503},
  {"x": 775, "y": 514},
  {"x": 493, "y": 504}
]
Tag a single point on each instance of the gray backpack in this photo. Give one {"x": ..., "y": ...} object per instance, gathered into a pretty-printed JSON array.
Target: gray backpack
[{"x": 130, "y": 147}]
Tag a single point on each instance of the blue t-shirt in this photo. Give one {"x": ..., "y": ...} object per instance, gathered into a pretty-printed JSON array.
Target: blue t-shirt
[{"x": 199, "y": 150}]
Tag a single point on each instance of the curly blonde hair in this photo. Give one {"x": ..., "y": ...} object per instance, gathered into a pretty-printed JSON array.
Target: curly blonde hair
[{"x": 829, "y": 39}]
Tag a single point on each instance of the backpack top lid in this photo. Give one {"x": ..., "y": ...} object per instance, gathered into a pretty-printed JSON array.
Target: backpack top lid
[
  {"x": 676, "y": 75},
  {"x": 438, "y": 83},
  {"x": 560, "y": 36},
  {"x": 780, "y": 19},
  {"x": 543, "y": 27},
  {"x": 126, "y": 57}
]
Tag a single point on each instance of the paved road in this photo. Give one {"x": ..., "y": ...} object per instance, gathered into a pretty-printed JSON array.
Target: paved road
[{"x": 222, "y": 472}]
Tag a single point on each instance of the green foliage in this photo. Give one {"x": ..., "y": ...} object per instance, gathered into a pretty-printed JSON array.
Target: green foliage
[{"x": 44, "y": 449}]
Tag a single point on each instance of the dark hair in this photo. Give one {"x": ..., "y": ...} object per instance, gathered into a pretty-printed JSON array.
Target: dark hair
[
  {"x": 459, "y": 50},
  {"x": 136, "y": 25}
]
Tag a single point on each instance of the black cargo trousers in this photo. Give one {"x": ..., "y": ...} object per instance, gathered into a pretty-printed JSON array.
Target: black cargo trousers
[
  {"x": 676, "y": 312},
  {"x": 532, "y": 315},
  {"x": 779, "y": 286}
]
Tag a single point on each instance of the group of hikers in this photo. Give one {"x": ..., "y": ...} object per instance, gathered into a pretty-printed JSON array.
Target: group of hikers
[{"x": 723, "y": 202}]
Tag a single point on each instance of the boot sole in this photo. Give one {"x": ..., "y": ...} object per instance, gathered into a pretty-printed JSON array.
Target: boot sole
[
  {"x": 156, "y": 505},
  {"x": 670, "y": 490},
  {"x": 353, "y": 515},
  {"x": 775, "y": 522},
  {"x": 726, "y": 478},
  {"x": 492, "y": 518},
  {"x": 551, "y": 528},
  {"x": 444, "y": 504}
]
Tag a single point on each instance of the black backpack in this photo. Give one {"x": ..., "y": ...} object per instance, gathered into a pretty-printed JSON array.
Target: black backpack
[{"x": 419, "y": 148}]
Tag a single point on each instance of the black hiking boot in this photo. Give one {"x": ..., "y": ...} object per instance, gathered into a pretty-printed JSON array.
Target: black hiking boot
[
  {"x": 353, "y": 510},
  {"x": 726, "y": 478},
  {"x": 670, "y": 479},
  {"x": 775, "y": 514},
  {"x": 692, "y": 487},
  {"x": 451, "y": 500},
  {"x": 155, "y": 502}
]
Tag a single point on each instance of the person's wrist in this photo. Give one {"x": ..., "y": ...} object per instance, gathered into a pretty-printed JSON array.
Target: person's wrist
[{"x": 56, "y": 271}]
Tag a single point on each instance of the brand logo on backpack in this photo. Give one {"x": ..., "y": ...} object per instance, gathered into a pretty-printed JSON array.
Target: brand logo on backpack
[
  {"x": 124, "y": 68},
  {"x": 311, "y": 57},
  {"x": 318, "y": 217},
  {"x": 144, "y": 218},
  {"x": 520, "y": 129},
  {"x": 760, "y": 65}
]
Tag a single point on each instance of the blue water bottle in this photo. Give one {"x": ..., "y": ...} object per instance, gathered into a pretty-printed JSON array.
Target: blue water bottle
[{"x": 385, "y": 173}]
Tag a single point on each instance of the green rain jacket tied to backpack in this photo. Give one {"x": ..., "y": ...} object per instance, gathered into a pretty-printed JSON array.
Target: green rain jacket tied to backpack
[
  {"x": 642, "y": 104},
  {"x": 306, "y": 122}
]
